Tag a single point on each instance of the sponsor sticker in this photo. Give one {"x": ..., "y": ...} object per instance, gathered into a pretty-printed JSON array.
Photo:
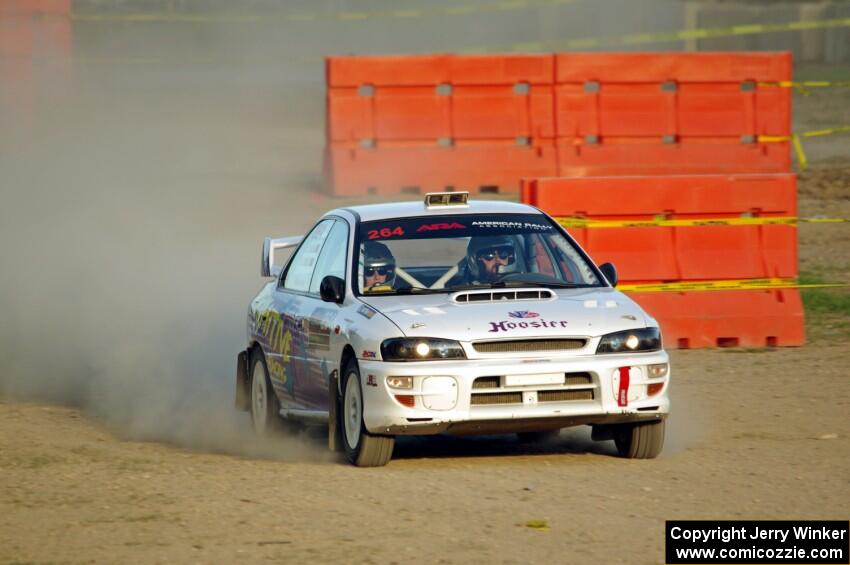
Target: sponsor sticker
[
  {"x": 507, "y": 325},
  {"x": 385, "y": 233},
  {"x": 523, "y": 314},
  {"x": 440, "y": 227},
  {"x": 380, "y": 288},
  {"x": 507, "y": 224},
  {"x": 371, "y": 380},
  {"x": 369, "y": 354},
  {"x": 366, "y": 312}
]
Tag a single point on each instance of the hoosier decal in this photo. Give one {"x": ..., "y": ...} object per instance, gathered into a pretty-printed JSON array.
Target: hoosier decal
[{"x": 506, "y": 325}]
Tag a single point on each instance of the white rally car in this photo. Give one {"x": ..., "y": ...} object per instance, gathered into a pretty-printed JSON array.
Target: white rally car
[{"x": 449, "y": 316}]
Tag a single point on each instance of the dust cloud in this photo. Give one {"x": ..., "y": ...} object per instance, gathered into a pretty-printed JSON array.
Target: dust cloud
[
  {"x": 139, "y": 173},
  {"x": 134, "y": 200}
]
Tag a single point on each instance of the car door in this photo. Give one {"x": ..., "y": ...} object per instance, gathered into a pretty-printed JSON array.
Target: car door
[
  {"x": 287, "y": 360},
  {"x": 321, "y": 318}
]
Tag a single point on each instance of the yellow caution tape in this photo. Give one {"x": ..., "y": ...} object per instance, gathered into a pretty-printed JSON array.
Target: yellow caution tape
[
  {"x": 830, "y": 131},
  {"x": 343, "y": 16},
  {"x": 574, "y": 222},
  {"x": 683, "y": 35},
  {"x": 462, "y": 9},
  {"x": 806, "y": 84},
  {"x": 729, "y": 284},
  {"x": 803, "y": 86},
  {"x": 802, "y": 160}
]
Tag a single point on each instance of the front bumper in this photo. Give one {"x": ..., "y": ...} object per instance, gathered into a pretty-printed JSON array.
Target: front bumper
[{"x": 516, "y": 396}]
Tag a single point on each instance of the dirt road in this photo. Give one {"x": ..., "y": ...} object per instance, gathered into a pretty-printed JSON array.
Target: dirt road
[{"x": 754, "y": 435}]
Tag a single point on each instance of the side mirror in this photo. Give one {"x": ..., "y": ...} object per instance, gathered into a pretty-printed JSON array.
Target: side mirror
[
  {"x": 610, "y": 272},
  {"x": 332, "y": 289}
]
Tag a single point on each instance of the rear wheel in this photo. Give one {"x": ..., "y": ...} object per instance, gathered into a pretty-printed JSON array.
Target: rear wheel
[
  {"x": 361, "y": 448},
  {"x": 643, "y": 440},
  {"x": 265, "y": 407}
]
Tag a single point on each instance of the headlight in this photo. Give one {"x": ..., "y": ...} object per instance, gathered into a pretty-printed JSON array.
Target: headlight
[
  {"x": 420, "y": 349},
  {"x": 646, "y": 339}
]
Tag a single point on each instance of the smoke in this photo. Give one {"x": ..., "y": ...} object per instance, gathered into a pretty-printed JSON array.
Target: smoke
[{"x": 134, "y": 201}]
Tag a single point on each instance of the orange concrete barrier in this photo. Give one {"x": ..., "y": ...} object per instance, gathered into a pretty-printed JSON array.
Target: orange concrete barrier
[
  {"x": 413, "y": 169},
  {"x": 729, "y": 318},
  {"x": 439, "y": 98},
  {"x": 397, "y": 124},
  {"x": 687, "y": 252},
  {"x": 683, "y": 251},
  {"x": 35, "y": 7},
  {"x": 671, "y": 113},
  {"x": 35, "y": 48},
  {"x": 585, "y": 114}
]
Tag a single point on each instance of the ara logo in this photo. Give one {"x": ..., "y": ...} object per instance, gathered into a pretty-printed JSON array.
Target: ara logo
[
  {"x": 441, "y": 226},
  {"x": 523, "y": 314}
]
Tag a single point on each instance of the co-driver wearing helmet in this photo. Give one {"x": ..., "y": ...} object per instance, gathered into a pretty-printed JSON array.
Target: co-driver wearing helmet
[
  {"x": 488, "y": 258},
  {"x": 378, "y": 266}
]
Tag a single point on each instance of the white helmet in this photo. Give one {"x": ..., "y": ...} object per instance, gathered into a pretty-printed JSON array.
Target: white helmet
[{"x": 377, "y": 256}]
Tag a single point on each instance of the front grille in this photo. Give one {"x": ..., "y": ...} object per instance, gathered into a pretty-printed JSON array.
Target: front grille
[
  {"x": 564, "y": 395},
  {"x": 486, "y": 382},
  {"x": 528, "y": 345},
  {"x": 497, "y": 398},
  {"x": 511, "y": 396},
  {"x": 578, "y": 379}
]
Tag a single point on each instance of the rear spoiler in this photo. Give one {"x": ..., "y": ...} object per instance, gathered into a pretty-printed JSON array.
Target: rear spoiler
[{"x": 270, "y": 245}]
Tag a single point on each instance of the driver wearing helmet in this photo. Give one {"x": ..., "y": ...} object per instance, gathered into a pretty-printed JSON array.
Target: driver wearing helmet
[
  {"x": 488, "y": 258},
  {"x": 378, "y": 267}
]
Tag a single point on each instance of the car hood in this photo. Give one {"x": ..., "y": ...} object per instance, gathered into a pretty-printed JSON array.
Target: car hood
[{"x": 570, "y": 312}]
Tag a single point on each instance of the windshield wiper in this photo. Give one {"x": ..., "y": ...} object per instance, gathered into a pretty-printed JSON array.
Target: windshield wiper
[{"x": 417, "y": 290}]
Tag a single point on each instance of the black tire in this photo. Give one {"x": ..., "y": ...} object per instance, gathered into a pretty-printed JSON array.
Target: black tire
[
  {"x": 361, "y": 448},
  {"x": 643, "y": 440},
  {"x": 538, "y": 437},
  {"x": 265, "y": 406}
]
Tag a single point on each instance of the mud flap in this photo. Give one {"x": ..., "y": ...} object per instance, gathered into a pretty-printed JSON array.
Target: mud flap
[
  {"x": 334, "y": 443},
  {"x": 602, "y": 432},
  {"x": 243, "y": 385}
]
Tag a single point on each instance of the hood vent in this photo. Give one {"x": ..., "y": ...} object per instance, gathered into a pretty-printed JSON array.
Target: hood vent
[{"x": 499, "y": 295}]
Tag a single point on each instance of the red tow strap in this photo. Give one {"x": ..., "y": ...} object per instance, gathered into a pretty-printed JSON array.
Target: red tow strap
[{"x": 623, "y": 393}]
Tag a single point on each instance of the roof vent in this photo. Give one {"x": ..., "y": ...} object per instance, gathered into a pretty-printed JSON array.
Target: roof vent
[{"x": 436, "y": 199}]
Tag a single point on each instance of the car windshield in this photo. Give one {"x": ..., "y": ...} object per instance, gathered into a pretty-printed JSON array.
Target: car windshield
[{"x": 448, "y": 253}]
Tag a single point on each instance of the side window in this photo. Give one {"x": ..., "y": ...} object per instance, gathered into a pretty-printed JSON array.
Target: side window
[
  {"x": 538, "y": 256},
  {"x": 332, "y": 258},
  {"x": 569, "y": 262},
  {"x": 300, "y": 269}
]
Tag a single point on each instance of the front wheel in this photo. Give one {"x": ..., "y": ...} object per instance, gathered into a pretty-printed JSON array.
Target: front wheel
[
  {"x": 643, "y": 440},
  {"x": 361, "y": 448}
]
